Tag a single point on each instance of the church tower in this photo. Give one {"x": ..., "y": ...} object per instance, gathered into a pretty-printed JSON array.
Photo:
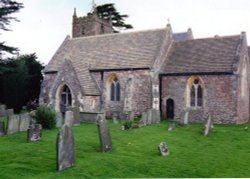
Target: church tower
[{"x": 90, "y": 25}]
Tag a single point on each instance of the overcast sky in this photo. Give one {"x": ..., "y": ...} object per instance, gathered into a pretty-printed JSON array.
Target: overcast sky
[{"x": 44, "y": 24}]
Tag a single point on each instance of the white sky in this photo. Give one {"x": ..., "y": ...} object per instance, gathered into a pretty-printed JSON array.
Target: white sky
[{"x": 45, "y": 23}]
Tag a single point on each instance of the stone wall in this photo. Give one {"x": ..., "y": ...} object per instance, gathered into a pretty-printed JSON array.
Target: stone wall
[
  {"x": 219, "y": 97},
  {"x": 89, "y": 25},
  {"x": 141, "y": 91}
]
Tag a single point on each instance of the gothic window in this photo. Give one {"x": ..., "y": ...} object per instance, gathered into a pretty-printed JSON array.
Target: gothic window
[
  {"x": 196, "y": 93},
  {"x": 82, "y": 30},
  {"x": 115, "y": 90},
  {"x": 66, "y": 98}
]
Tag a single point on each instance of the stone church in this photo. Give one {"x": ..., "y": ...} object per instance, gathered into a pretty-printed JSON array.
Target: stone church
[{"x": 97, "y": 70}]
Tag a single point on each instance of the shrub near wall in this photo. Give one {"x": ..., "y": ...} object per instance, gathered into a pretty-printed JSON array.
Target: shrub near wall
[{"x": 46, "y": 117}]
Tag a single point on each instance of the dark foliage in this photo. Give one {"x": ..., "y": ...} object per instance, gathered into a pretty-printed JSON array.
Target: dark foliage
[
  {"x": 20, "y": 81},
  {"x": 109, "y": 12},
  {"x": 46, "y": 117},
  {"x": 7, "y": 8}
]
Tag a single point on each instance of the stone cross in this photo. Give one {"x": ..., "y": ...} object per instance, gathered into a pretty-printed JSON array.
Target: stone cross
[
  {"x": 104, "y": 135},
  {"x": 163, "y": 149},
  {"x": 65, "y": 148},
  {"x": 34, "y": 132}
]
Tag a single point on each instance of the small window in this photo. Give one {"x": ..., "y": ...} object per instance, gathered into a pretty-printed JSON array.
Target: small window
[
  {"x": 66, "y": 96},
  {"x": 115, "y": 90},
  {"x": 196, "y": 94}
]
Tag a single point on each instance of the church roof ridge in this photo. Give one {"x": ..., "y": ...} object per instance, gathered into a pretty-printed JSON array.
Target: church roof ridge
[{"x": 118, "y": 34}]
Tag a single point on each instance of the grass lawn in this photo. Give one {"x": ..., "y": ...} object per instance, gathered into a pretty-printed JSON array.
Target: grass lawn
[{"x": 224, "y": 153}]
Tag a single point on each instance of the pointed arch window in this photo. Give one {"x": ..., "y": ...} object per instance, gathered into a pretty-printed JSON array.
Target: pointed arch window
[
  {"x": 66, "y": 97},
  {"x": 115, "y": 90},
  {"x": 196, "y": 93}
]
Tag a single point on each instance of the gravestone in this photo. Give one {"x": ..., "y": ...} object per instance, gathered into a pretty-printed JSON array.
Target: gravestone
[
  {"x": 69, "y": 118},
  {"x": 32, "y": 117},
  {"x": 156, "y": 116},
  {"x": 185, "y": 121},
  {"x": 144, "y": 118},
  {"x": 171, "y": 126},
  {"x": 115, "y": 116},
  {"x": 208, "y": 125},
  {"x": 149, "y": 116},
  {"x": 34, "y": 132},
  {"x": 24, "y": 122},
  {"x": 9, "y": 112},
  {"x": 163, "y": 149},
  {"x": 104, "y": 134},
  {"x": 76, "y": 112},
  {"x": 2, "y": 111},
  {"x": 13, "y": 124},
  {"x": 65, "y": 148},
  {"x": 59, "y": 119},
  {"x": 2, "y": 128}
]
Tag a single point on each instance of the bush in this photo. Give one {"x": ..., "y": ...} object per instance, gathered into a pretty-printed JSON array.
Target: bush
[{"x": 46, "y": 117}]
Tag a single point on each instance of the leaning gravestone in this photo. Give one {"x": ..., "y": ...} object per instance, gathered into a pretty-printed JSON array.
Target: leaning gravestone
[
  {"x": 13, "y": 124},
  {"x": 24, "y": 122},
  {"x": 163, "y": 149},
  {"x": 208, "y": 125},
  {"x": 34, "y": 132},
  {"x": 76, "y": 112},
  {"x": 65, "y": 148},
  {"x": 2, "y": 127},
  {"x": 104, "y": 134},
  {"x": 69, "y": 118}
]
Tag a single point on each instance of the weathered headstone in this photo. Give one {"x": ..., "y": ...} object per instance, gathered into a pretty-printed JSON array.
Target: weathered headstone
[
  {"x": 171, "y": 126},
  {"x": 34, "y": 132},
  {"x": 144, "y": 118},
  {"x": 185, "y": 121},
  {"x": 65, "y": 148},
  {"x": 59, "y": 119},
  {"x": 24, "y": 122},
  {"x": 9, "y": 112},
  {"x": 156, "y": 116},
  {"x": 149, "y": 115},
  {"x": 104, "y": 134},
  {"x": 163, "y": 149},
  {"x": 76, "y": 112},
  {"x": 69, "y": 118},
  {"x": 13, "y": 124},
  {"x": 2, "y": 128},
  {"x": 208, "y": 125},
  {"x": 115, "y": 116},
  {"x": 2, "y": 111}
]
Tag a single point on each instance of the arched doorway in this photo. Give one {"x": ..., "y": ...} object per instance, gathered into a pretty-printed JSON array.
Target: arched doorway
[{"x": 170, "y": 108}]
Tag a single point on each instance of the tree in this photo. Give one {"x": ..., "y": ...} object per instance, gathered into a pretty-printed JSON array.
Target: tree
[
  {"x": 7, "y": 8},
  {"x": 109, "y": 12},
  {"x": 20, "y": 81}
]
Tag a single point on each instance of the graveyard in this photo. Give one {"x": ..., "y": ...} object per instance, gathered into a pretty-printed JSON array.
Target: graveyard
[{"x": 224, "y": 152}]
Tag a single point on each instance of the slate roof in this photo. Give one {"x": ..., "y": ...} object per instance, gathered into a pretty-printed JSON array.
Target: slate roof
[
  {"x": 210, "y": 55},
  {"x": 112, "y": 51},
  {"x": 181, "y": 36}
]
